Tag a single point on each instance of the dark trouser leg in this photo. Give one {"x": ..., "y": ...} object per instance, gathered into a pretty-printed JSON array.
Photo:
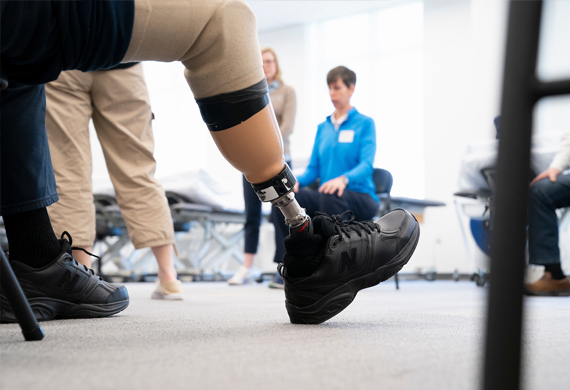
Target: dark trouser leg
[
  {"x": 252, "y": 217},
  {"x": 363, "y": 206},
  {"x": 27, "y": 184},
  {"x": 544, "y": 198},
  {"x": 26, "y": 174},
  {"x": 309, "y": 200},
  {"x": 281, "y": 229}
]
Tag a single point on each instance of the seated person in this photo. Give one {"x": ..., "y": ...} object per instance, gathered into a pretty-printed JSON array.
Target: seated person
[
  {"x": 342, "y": 158},
  {"x": 549, "y": 191}
]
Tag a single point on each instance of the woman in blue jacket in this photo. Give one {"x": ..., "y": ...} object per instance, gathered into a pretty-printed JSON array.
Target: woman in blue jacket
[{"x": 342, "y": 159}]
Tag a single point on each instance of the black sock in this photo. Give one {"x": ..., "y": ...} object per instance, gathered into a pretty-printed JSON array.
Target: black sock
[
  {"x": 31, "y": 239},
  {"x": 555, "y": 270},
  {"x": 303, "y": 254}
]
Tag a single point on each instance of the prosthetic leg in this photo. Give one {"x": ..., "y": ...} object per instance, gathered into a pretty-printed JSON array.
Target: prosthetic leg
[{"x": 217, "y": 43}]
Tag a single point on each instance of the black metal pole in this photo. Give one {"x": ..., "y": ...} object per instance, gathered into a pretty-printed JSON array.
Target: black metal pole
[
  {"x": 19, "y": 304},
  {"x": 505, "y": 307},
  {"x": 553, "y": 88}
]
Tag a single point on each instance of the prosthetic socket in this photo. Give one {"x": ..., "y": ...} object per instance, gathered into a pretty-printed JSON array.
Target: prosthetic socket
[{"x": 279, "y": 191}]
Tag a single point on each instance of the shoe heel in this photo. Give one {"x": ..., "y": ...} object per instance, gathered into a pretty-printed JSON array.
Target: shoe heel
[
  {"x": 42, "y": 311},
  {"x": 323, "y": 312}
]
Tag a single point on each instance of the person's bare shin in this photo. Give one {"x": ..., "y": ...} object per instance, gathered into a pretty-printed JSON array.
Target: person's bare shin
[
  {"x": 83, "y": 257},
  {"x": 163, "y": 254},
  {"x": 248, "y": 260}
]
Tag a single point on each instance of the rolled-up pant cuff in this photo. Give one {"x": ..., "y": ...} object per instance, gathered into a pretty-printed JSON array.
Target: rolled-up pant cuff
[
  {"x": 29, "y": 206},
  {"x": 153, "y": 243},
  {"x": 552, "y": 260}
]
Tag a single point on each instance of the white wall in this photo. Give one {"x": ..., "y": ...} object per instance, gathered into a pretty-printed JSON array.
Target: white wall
[
  {"x": 463, "y": 42},
  {"x": 464, "y": 45},
  {"x": 291, "y": 48},
  {"x": 553, "y": 114},
  {"x": 182, "y": 140},
  {"x": 448, "y": 69}
]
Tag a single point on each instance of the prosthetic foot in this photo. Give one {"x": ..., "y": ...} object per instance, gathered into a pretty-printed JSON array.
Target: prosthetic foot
[{"x": 329, "y": 261}]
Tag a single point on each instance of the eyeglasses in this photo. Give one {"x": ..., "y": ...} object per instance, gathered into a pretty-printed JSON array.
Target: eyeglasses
[{"x": 268, "y": 62}]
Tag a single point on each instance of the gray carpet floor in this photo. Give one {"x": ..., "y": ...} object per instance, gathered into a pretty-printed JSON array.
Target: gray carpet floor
[{"x": 427, "y": 335}]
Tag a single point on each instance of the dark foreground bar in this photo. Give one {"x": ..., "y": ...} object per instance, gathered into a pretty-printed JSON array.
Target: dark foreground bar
[
  {"x": 13, "y": 292},
  {"x": 521, "y": 90}
]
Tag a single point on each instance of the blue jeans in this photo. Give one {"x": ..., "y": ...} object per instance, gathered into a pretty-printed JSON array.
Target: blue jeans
[
  {"x": 544, "y": 198},
  {"x": 26, "y": 174},
  {"x": 362, "y": 205}
]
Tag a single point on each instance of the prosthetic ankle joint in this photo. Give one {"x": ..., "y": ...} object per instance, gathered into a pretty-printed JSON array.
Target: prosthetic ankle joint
[{"x": 279, "y": 191}]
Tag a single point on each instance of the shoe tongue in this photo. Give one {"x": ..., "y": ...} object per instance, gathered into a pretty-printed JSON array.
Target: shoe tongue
[
  {"x": 325, "y": 226},
  {"x": 64, "y": 246}
]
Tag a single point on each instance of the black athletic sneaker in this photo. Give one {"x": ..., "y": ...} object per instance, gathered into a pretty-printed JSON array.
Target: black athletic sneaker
[
  {"x": 65, "y": 289},
  {"x": 326, "y": 266}
]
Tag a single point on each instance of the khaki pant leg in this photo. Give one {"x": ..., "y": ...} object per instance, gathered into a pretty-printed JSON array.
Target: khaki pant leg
[
  {"x": 216, "y": 40},
  {"x": 68, "y": 110},
  {"x": 122, "y": 118}
]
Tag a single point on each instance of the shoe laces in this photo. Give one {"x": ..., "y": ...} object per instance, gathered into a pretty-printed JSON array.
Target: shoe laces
[
  {"x": 346, "y": 226},
  {"x": 70, "y": 240}
]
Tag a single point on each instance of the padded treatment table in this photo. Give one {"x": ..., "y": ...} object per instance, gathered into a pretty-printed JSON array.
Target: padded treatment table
[
  {"x": 207, "y": 238},
  {"x": 221, "y": 238},
  {"x": 113, "y": 245},
  {"x": 413, "y": 205}
]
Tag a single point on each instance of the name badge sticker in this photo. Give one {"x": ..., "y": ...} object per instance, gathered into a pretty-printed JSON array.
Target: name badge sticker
[{"x": 346, "y": 136}]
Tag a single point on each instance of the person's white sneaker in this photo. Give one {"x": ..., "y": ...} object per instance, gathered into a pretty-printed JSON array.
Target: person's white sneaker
[
  {"x": 169, "y": 291},
  {"x": 242, "y": 276}
]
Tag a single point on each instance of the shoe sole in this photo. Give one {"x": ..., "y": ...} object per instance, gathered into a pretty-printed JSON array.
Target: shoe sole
[
  {"x": 167, "y": 297},
  {"x": 247, "y": 281},
  {"x": 546, "y": 293},
  {"x": 46, "y": 309},
  {"x": 337, "y": 300}
]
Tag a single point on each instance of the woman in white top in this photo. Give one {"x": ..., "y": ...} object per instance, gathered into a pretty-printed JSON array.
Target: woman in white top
[{"x": 285, "y": 105}]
